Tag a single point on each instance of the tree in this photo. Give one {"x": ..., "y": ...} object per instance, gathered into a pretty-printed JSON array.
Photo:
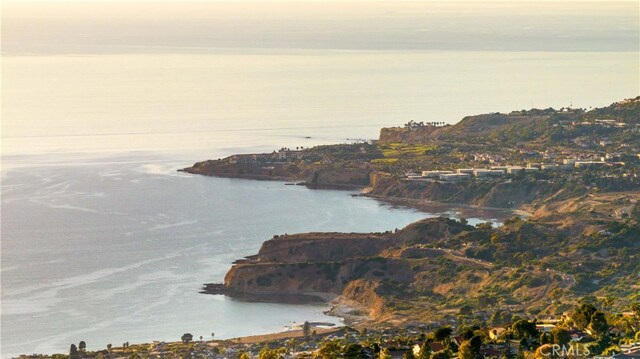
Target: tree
[
  {"x": 213, "y": 335},
  {"x": 384, "y": 354},
  {"x": 306, "y": 329},
  {"x": 524, "y": 329},
  {"x": 186, "y": 338},
  {"x": 82, "y": 346},
  {"x": 598, "y": 325},
  {"x": 109, "y": 346},
  {"x": 545, "y": 338},
  {"x": 267, "y": 353},
  {"x": 329, "y": 350},
  {"x": 425, "y": 351},
  {"x": 582, "y": 315},
  {"x": 476, "y": 342},
  {"x": 353, "y": 351},
  {"x": 244, "y": 355},
  {"x": 468, "y": 351},
  {"x": 408, "y": 355},
  {"x": 73, "y": 352},
  {"x": 560, "y": 336},
  {"x": 441, "y": 334}
]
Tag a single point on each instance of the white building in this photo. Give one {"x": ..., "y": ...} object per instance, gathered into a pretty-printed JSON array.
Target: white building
[
  {"x": 434, "y": 174},
  {"x": 514, "y": 169},
  {"x": 455, "y": 177},
  {"x": 480, "y": 172}
]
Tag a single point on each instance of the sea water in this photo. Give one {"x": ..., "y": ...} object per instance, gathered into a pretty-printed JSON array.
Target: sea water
[{"x": 103, "y": 241}]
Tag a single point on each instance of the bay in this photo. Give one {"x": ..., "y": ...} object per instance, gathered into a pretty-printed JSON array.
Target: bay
[
  {"x": 103, "y": 241},
  {"x": 117, "y": 252}
]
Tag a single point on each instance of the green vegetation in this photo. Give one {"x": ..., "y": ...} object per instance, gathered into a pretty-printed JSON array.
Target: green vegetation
[
  {"x": 400, "y": 150},
  {"x": 579, "y": 241},
  {"x": 186, "y": 338}
]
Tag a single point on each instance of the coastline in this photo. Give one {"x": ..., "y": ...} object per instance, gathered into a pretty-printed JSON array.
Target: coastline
[
  {"x": 418, "y": 204},
  {"x": 321, "y": 330},
  {"x": 425, "y": 205},
  {"x": 351, "y": 312},
  {"x": 289, "y": 181}
]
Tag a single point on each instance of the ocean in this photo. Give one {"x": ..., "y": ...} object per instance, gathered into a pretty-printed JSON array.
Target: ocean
[{"x": 104, "y": 241}]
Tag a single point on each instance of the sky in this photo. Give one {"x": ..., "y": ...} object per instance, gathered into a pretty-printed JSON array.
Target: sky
[{"x": 110, "y": 26}]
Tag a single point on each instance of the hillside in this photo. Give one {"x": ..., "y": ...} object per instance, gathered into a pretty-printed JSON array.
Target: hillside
[
  {"x": 582, "y": 238},
  {"x": 438, "y": 267},
  {"x": 610, "y": 135},
  {"x": 531, "y": 127},
  {"x": 391, "y": 277}
]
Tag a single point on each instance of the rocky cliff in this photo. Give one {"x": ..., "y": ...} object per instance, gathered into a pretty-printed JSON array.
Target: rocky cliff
[
  {"x": 505, "y": 194},
  {"x": 310, "y": 174},
  {"x": 379, "y": 273}
]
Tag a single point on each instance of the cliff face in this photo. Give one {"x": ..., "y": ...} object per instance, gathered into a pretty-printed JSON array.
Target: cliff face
[
  {"x": 260, "y": 171},
  {"x": 381, "y": 274},
  {"x": 312, "y": 174},
  {"x": 511, "y": 195},
  {"x": 484, "y": 194},
  {"x": 314, "y": 263},
  {"x": 321, "y": 247},
  {"x": 338, "y": 176},
  {"x": 323, "y": 279},
  {"x": 365, "y": 293}
]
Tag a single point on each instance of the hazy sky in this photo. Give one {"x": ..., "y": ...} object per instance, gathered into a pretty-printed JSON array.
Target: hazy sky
[{"x": 111, "y": 26}]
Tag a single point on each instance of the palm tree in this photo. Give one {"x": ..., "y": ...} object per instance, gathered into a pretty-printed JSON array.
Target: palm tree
[
  {"x": 291, "y": 345},
  {"x": 82, "y": 347},
  {"x": 73, "y": 351}
]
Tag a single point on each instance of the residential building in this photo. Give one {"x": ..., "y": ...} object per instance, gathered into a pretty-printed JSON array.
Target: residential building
[
  {"x": 455, "y": 177},
  {"x": 514, "y": 169},
  {"x": 434, "y": 174}
]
